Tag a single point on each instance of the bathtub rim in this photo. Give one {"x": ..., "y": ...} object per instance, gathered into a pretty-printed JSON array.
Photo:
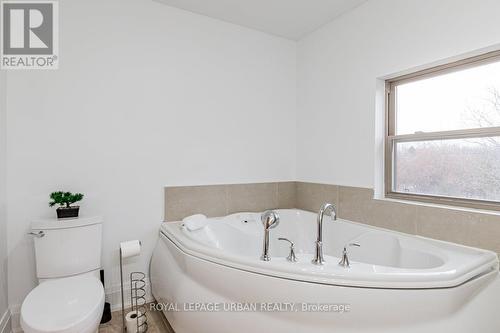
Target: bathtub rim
[
  {"x": 172, "y": 232},
  {"x": 164, "y": 237}
]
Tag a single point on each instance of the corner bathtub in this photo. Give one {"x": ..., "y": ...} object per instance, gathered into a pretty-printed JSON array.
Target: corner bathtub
[{"x": 396, "y": 282}]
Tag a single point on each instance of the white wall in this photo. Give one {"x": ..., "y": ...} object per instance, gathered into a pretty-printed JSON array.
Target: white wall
[
  {"x": 338, "y": 67},
  {"x": 3, "y": 199},
  {"x": 146, "y": 96}
]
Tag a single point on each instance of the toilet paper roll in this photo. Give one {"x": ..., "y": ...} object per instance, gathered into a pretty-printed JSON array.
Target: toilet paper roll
[
  {"x": 130, "y": 249},
  {"x": 131, "y": 321}
]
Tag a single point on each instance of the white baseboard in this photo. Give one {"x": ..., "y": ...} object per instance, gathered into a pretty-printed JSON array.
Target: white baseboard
[
  {"x": 15, "y": 319},
  {"x": 5, "y": 323}
]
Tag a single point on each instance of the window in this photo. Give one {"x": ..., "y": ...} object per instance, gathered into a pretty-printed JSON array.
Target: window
[{"x": 443, "y": 134}]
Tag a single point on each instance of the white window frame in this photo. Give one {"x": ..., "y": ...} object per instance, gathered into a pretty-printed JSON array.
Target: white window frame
[{"x": 391, "y": 138}]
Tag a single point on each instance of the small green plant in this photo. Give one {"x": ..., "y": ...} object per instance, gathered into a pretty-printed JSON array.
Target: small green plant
[{"x": 64, "y": 198}]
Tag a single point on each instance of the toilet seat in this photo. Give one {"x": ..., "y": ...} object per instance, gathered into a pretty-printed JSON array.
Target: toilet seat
[{"x": 66, "y": 305}]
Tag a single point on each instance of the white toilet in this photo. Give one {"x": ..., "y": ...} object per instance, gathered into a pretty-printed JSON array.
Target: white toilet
[{"x": 70, "y": 296}]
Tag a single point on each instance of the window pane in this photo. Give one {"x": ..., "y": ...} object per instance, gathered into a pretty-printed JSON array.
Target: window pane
[
  {"x": 469, "y": 98},
  {"x": 463, "y": 168}
]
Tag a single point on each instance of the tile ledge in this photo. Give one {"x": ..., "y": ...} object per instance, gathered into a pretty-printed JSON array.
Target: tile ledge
[
  {"x": 195, "y": 184},
  {"x": 432, "y": 205}
]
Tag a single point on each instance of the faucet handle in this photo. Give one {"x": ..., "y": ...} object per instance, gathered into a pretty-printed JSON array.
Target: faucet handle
[
  {"x": 344, "y": 262},
  {"x": 286, "y": 240},
  {"x": 291, "y": 257}
]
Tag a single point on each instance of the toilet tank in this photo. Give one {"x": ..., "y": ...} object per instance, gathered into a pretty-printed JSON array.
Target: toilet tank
[{"x": 67, "y": 247}]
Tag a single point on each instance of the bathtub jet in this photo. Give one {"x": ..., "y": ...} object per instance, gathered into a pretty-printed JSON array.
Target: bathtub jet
[{"x": 395, "y": 282}]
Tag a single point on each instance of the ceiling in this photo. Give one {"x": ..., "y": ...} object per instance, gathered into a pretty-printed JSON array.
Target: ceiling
[{"x": 292, "y": 19}]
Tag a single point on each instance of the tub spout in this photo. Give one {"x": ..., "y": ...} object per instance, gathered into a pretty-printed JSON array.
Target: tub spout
[
  {"x": 318, "y": 253},
  {"x": 270, "y": 219}
]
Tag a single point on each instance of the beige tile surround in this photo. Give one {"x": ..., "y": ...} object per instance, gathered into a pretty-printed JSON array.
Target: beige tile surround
[
  {"x": 220, "y": 200},
  {"x": 353, "y": 203}
]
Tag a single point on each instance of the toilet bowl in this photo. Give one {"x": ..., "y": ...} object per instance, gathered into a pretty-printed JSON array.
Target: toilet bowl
[
  {"x": 67, "y": 305},
  {"x": 70, "y": 296}
]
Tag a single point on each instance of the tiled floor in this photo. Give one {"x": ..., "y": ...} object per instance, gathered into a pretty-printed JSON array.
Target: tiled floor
[{"x": 156, "y": 323}]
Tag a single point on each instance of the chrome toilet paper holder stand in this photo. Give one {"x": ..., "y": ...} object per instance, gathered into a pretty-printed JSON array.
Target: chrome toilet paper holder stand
[
  {"x": 138, "y": 300},
  {"x": 137, "y": 297}
]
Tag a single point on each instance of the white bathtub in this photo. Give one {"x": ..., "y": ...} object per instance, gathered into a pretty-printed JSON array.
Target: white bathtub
[{"x": 396, "y": 282}]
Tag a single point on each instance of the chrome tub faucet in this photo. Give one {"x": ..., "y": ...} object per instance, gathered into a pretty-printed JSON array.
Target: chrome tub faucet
[
  {"x": 270, "y": 219},
  {"x": 318, "y": 254}
]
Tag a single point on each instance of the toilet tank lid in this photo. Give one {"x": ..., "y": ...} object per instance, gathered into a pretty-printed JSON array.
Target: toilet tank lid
[{"x": 45, "y": 224}]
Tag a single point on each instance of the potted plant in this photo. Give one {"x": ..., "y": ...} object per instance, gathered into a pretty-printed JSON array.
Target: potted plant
[{"x": 65, "y": 200}]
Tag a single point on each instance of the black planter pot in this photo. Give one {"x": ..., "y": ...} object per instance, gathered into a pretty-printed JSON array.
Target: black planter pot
[{"x": 67, "y": 212}]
